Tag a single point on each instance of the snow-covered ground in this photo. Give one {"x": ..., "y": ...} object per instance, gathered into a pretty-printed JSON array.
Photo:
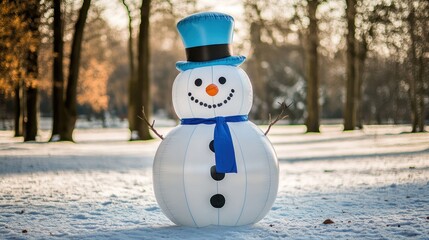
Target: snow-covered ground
[{"x": 373, "y": 184}]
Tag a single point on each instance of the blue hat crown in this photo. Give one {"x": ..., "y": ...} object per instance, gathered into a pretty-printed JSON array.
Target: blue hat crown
[{"x": 207, "y": 38}]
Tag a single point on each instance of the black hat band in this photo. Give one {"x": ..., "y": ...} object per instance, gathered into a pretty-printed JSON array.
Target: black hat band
[{"x": 208, "y": 52}]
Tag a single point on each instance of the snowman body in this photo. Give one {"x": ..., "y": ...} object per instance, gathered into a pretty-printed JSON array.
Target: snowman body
[{"x": 187, "y": 186}]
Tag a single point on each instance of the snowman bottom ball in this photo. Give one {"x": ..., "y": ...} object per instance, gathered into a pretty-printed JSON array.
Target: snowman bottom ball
[{"x": 191, "y": 193}]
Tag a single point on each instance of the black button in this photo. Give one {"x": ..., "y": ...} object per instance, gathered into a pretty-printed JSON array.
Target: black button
[
  {"x": 211, "y": 145},
  {"x": 217, "y": 200},
  {"x": 215, "y": 175}
]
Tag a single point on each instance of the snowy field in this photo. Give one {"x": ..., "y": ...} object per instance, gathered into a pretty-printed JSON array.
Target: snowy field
[{"x": 372, "y": 184}]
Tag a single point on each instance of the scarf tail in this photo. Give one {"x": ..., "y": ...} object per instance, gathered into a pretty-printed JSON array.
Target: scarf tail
[{"x": 224, "y": 149}]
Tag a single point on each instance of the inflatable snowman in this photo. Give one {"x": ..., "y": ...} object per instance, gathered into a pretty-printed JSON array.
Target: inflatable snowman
[{"x": 217, "y": 167}]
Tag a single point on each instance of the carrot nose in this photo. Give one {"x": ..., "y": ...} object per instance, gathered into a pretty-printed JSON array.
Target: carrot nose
[{"x": 212, "y": 90}]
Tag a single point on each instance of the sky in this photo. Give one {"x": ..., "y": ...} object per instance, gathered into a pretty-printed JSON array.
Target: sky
[
  {"x": 116, "y": 15},
  {"x": 117, "y": 18}
]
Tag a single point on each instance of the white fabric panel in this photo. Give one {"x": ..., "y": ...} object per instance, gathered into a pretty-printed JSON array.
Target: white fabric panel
[
  {"x": 168, "y": 175},
  {"x": 261, "y": 170},
  {"x": 199, "y": 185},
  {"x": 179, "y": 94},
  {"x": 233, "y": 186}
]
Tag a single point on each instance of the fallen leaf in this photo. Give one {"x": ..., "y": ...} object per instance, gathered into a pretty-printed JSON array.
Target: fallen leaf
[{"x": 328, "y": 221}]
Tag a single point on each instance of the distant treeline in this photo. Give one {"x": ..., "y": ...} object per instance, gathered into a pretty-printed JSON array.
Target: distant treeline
[{"x": 361, "y": 60}]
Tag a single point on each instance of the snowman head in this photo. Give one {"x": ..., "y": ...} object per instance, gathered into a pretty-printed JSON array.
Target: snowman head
[
  {"x": 212, "y": 91},
  {"x": 210, "y": 83}
]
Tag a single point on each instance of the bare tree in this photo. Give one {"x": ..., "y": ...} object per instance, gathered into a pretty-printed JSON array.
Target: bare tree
[
  {"x": 312, "y": 121},
  {"x": 71, "y": 92},
  {"x": 57, "y": 74},
  {"x": 65, "y": 115},
  {"x": 32, "y": 14},
  {"x": 132, "y": 82},
  {"x": 368, "y": 20},
  {"x": 417, "y": 23},
  {"x": 19, "y": 109},
  {"x": 143, "y": 81},
  {"x": 259, "y": 83},
  {"x": 350, "y": 107}
]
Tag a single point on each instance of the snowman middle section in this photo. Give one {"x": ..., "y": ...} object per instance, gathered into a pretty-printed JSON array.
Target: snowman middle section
[{"x": 191, "y": 193}]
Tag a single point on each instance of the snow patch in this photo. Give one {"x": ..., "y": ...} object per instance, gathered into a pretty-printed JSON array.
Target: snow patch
[{"x": 373, "y": 184}]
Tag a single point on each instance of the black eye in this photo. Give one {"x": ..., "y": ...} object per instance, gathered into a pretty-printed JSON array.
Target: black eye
[
  {"x": 198, "y": 82},
  {"x": 222, "y": 80}
]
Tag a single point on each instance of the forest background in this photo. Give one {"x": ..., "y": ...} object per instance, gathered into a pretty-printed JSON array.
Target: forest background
[{"x": 361, "y": 61}]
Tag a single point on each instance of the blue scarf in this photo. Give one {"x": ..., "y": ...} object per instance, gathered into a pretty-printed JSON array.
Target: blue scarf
[{"x": 224, "y": 148}]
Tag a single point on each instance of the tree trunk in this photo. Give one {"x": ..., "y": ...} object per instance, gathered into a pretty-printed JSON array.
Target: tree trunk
[
  {"x": 358, "y": 94},
  {"x": 413, "y": 90},
  {"x": 31, "y": 123},
  {"x": 19, "y": 106},
  {"x": 421, "y": 121},
  {"x": 132, "y": 84},
  {"x": 350, "y": 110},
  {"x": 360, "y": 66},
  {"x": 397, "y": 98},
  {"x": 259, "y": 81},
  {"x": 58, "y": 75},
  {"x": 312, "y": 121},
  {"x": 143, "y": 82},
  {"x": 413, "y": 104},
  {"x": 70, "y": 115}
]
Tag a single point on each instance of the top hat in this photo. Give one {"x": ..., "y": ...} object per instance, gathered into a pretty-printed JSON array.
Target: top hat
[{"x": 207, "y": 37}]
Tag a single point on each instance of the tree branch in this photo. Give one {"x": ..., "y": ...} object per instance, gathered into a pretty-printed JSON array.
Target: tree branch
[
  {"x": 279, "y": 117},
  {"x": 151, "y": 126}
]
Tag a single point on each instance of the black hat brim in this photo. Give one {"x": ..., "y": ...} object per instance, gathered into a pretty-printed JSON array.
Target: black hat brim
[{"x": 231, "y": 61}]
